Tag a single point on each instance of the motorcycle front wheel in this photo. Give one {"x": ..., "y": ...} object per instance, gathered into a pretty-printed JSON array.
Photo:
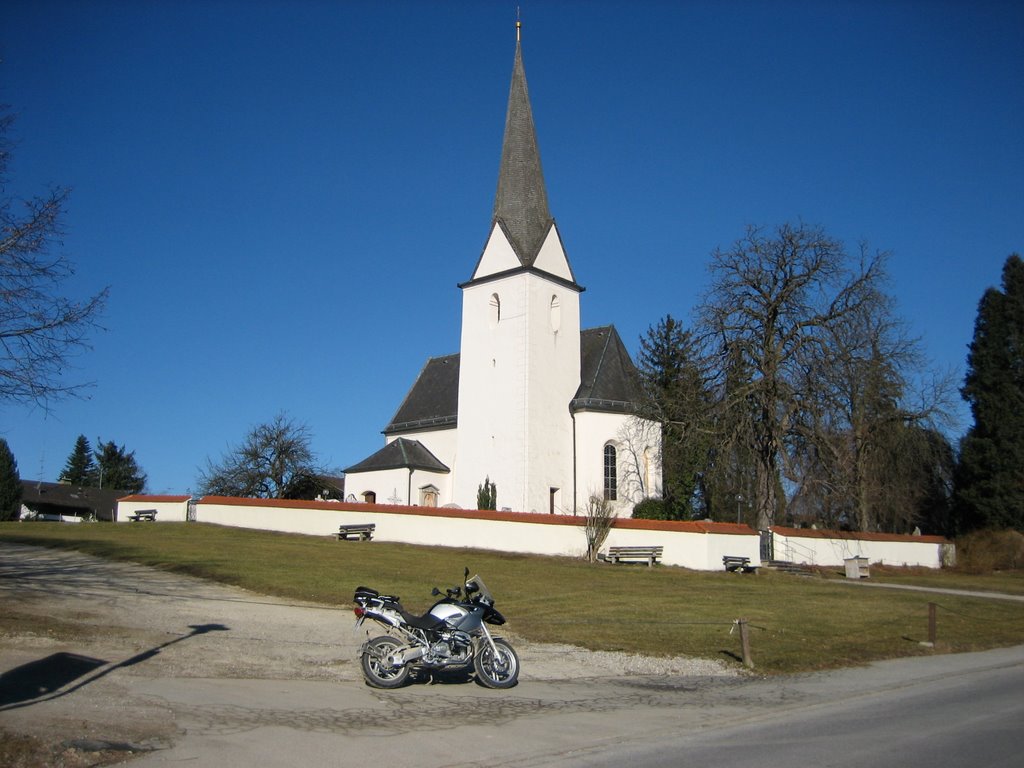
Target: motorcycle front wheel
[
  {"x": 496, "y": 670},
  {"x": 377, "y": 667}
]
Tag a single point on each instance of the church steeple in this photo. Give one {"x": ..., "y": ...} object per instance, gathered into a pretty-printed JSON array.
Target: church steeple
[{"x": 521, "y": 204}]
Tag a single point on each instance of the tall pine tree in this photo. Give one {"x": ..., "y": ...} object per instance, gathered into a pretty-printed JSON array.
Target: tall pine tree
[
  {"x": 118, "y": 468},
  {"x": 10, "y": 484},
  {"x": 990, "y": 476},
  {"x": 673, "y": 395},
  {"x": 80, "y": 469}
]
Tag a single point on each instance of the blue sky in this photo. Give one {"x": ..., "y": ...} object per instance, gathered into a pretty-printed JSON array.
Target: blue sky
[{"x": 282, "y": 196}]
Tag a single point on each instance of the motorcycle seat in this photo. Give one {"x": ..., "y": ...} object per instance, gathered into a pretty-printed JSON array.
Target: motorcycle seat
[{"x": 426, "y": 621}]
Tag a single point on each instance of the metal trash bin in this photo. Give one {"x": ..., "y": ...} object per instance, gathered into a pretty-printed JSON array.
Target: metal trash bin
[{"x": 857, "y": 568}]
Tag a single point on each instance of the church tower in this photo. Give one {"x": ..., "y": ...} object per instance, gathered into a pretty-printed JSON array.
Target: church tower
[
  {"x": 520, "y": 344},
  {"x": 531, "y": 401}
]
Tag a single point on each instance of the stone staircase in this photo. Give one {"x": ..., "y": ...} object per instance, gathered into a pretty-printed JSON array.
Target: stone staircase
[{"x": 785, "y": 566}]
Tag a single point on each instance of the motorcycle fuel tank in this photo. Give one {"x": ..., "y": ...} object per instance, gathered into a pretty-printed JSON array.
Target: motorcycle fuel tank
[{"x": 458, "y": 616}]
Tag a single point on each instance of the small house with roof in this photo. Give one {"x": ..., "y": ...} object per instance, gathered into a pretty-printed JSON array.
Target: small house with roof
[{"x": 541, "y": 407}]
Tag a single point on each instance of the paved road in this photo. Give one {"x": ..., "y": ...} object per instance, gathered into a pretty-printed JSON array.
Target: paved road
[
  {"x": 968, "y": 714},
  {"x": 184, "y": 671},
  {"x": 934, "y": 590}
]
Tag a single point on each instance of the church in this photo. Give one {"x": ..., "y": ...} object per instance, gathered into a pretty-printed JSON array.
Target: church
[{"x": 533, "y": 403}]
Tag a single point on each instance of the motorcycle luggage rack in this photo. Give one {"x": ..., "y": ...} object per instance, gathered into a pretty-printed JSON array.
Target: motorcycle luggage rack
[{"x": 365, "y": 594}]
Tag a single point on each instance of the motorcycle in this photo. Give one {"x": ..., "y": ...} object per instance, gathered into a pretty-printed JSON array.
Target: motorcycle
[{"x": 452, "y": 635}]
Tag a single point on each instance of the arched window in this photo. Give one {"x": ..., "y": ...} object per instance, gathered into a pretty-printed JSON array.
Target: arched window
[
  {"x": 494, "y": 315},
  {"x": 555, "y": 314},
  {"x": 610, "y": 473}
]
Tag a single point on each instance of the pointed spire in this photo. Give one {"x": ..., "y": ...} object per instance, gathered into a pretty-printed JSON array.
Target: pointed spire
[{"x": 521, "y": 204}]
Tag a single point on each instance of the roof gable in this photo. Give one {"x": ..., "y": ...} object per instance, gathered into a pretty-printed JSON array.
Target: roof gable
[
  {"x": 499, "y": 256},
  {"x": 400, "y": 454},
  {"x": 551, "y": 257},
  {"x": 608, "y": 378}
]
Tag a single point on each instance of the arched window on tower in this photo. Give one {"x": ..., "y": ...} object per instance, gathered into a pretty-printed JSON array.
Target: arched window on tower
[
  {"x": 494, "y": 314},
  {"x": 555, "y": 313},
  {"x": 610, "y": 473}
]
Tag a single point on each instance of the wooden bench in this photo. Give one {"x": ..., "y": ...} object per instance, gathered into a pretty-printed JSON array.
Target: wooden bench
[
  {"x": 143, "y": 515},
  {"x": 362, "y": 532},
  {"x": 650, "y": 555},
  {"x": 734, "y": 563}
]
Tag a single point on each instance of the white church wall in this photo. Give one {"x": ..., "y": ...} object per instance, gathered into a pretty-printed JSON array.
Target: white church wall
[
  {"x": 691, "y": 545},
  {"x": 395, "y": 486},
  {"x": 492, "y": 378},
  {"x": 697, "y": 545},
  {"x": 831, "y": 548},
  {"x": 553, "y": 339},
  {"x": 169, "y": 509},
  {"x": 636, "y": 459}
]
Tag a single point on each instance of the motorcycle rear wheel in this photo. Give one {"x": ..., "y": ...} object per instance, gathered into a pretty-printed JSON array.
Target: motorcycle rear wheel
[
  {"x": 496, "y": 670},
  {"x": 377, "y": 667}
]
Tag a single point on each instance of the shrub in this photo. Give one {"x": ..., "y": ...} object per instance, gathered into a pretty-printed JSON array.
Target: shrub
[
  {"x": 990, "y": 550},
  {"x": 651, "y": 509}
]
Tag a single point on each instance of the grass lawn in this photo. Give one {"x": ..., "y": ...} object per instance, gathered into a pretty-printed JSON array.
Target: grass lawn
[{"x": 798, "y": 624}]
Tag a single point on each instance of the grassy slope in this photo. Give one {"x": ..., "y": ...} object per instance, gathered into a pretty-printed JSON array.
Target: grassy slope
[{"x": 799, "y": 624}]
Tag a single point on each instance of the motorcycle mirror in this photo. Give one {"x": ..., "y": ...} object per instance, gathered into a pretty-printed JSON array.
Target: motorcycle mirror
[
  {"x": 465, "y": 578},
  {"x": 435, "y": 592}
]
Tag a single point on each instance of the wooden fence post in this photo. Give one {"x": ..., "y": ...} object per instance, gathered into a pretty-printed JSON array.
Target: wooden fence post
[{"x": 745, "y": 643}]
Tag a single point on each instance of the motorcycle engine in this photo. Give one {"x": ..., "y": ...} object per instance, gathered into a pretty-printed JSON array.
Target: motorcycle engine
[{"x": 452, "y": 648}]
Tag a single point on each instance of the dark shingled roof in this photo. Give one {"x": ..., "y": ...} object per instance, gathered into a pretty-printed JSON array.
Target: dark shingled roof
[
  {"x": 400, "y": 454},
  {"x": 64, "y": 499},
  {"x": 608, "y": 378},
  {"x": 521, "y": 203},
  {"x": 433, "y": 400},
  {"x": 607, "y": 383}
]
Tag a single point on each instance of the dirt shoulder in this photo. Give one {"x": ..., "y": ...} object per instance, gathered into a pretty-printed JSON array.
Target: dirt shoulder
[{"x": 81, "y": 639}]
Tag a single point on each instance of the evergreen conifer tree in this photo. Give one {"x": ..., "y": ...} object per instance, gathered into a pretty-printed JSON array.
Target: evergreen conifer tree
[
  {"x": 10, "y": 484},
  {"x": 80, "y": 469},
  {"x": 487, "y": 495},
  {"x": 118, "y": 468},
  {"x": 990, "y": 475},
  {"x": 674, "y": 397}
]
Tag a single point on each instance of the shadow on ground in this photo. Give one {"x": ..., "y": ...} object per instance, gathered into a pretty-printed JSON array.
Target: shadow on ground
[{"x": 50, "y": 677}]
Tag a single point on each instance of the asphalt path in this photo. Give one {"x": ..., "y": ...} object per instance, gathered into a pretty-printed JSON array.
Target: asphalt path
[
  {"x": 967, "y": 713},
  {"x": 171, "y": 670}
]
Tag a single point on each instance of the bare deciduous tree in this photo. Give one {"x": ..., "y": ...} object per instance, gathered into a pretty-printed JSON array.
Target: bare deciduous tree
[
  {"x": 599, "y": 520},
  {"x": 639, "y": 440},
  {"x": 41, "y": 330},
  {"x": 773, "y": 302},
  {"x": 272, "y": 462},
  {"x": 869, "y": 428}
]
